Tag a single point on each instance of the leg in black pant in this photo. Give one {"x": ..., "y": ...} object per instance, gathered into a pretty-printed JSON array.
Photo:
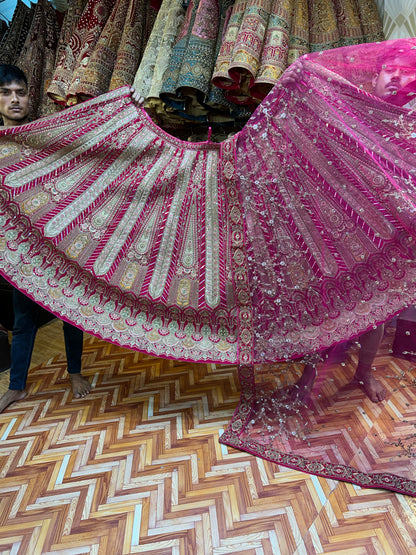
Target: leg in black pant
[{"x": 27, "y": 318}]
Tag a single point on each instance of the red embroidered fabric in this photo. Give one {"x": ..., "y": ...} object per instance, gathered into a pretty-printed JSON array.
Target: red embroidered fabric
[
  {"x": 296, "y": 234},
  {"x": 124, "y": 230},
  {"x": 326, "y": 170}
]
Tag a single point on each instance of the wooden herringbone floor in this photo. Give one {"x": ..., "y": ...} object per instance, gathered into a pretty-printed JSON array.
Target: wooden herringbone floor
[{"x": 136, "y": 467}]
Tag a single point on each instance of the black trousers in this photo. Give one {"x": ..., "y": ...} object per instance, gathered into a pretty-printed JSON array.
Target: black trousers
[{"x": 6, "y": 307}]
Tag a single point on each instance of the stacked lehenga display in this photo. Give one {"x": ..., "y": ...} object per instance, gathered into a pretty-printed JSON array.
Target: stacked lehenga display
[
  {"x": 65, "y": 53},
  {"x": 214, "y": 60},
  {"x": 149, "y": 77},
  {"x": 263, "y": 38}
]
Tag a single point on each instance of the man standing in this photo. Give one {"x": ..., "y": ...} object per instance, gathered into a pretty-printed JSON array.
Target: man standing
[{"x": 14, "y": 109}]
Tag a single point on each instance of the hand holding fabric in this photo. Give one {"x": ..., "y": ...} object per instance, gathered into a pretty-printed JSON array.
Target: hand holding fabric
[
  {"x": 136, "y": 97},
  {"x": 293, "y": 74}
]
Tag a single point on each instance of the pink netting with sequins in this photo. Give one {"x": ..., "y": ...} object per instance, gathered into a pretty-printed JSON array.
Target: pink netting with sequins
[{"x": 327, "y": 176}]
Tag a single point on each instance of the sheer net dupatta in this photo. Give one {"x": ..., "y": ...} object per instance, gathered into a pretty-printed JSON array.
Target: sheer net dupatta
[
  {"x": 327, "y": 178},
  {"x": 125, "y": 231},
  {"x": 330, "y": 218}
]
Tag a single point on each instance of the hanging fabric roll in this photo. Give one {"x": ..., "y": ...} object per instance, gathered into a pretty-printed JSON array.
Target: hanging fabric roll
[
  {"x": 263, "y": 38},
  {"x": 148, "y": 79},
  {"x": 255, "y": 49},
  {"x": 215, "y": 99},
  {"x": 74, "y": 61},
  {"x": 93, "y": 77},
  {"x": 37, "y": 58},
  {"x": 119, "y": 42},
  {"x": 104, "y": 50},
  {"x": 65, "y": 58},
  {"x": 90, "y": 27},
  {"x": 136, "y": 29},
  {"x": 343, "y": 22},
  {"x": 285, "y": 40},
  {"x": 13, "y": 41},
  {"x": 187, "y": 79},
  {"x": 370, "y": 22}
]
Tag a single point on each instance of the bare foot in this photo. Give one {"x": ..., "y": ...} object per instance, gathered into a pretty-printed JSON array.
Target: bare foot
[
  {"x": 80, "y": 385},
  {"x": 303, "y": 387},
  {"x": 10, "y": 397},
  {"x": 371, "y": 387}
]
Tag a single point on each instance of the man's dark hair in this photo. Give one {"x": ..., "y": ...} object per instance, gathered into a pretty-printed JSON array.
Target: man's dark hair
[{"x": 9, "y": 73}]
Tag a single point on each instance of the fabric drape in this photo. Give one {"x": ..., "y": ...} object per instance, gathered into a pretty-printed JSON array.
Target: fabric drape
[
  {"x": 37, "y": 58},
  {"x": 14, "y": 39},
  {"x": 149, "y": 76},
  {"x": 186, "y": 86},
  {"x": 64, "y": 55},
  {"x": 103, "y": 45},
  {"x": 292, "y": 236},
  {"x": 114, "y": 59},
  {"x": 72, "y": 67},
  {"x": 264, "y": 37}
]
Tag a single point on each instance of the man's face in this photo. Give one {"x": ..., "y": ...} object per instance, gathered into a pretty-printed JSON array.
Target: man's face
[
  {"x": 393, "y": 76},
  {"x": 14, "y": 103}
]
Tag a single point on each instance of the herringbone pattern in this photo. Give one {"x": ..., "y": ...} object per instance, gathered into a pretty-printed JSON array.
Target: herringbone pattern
[
  {"x": 338, "y": 423},
  {"x": 136, "y": 467}
]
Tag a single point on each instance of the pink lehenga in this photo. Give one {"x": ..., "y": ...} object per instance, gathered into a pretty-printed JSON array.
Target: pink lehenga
[{"x": 292, "y": 236}]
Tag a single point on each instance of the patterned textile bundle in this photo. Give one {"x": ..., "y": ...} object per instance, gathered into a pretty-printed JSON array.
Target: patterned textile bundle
[
  {"x": 13, "y": 40},
  {"x": 72, "y": 64},
  {"x": 149, "y": 77},
  {"x": 132, "y": 43},
  {"x": 37, "y": 58},
  {"x": 296, "y": 234},
  {"x": 64, "y": 54},
  {"x": 114, "y": 59},
  {"x": 264, "y": 37},
  {"x": 257, "y": 44},
  {"x": 186, "y": 86},
  {"x": 104, "y": 47}
]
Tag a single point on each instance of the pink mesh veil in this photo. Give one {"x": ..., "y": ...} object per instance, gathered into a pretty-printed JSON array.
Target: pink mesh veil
[
  {"x": 327, "y": 182},
  {"x": 327, "y": 175}
]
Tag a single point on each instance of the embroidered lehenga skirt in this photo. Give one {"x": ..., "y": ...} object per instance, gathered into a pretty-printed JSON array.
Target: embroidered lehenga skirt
[{"x": 296, "y": 234}]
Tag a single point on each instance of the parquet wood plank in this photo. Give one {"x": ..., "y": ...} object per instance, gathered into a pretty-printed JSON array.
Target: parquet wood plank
[{"x": 136, "y": 467}]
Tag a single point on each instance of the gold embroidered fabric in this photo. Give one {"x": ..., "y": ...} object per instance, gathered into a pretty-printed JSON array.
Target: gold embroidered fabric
[
  {"x": 264, "y": 37},
  {"x": 149, "y": 76},
  {"x": 37, "y": 58},
  {"x": 58, "y": 86}
]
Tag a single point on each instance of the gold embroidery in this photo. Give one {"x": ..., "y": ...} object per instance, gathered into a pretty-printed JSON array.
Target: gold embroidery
[
  {"x": 129, "y": 276},
  {"x": 34, "y": 203},
  {"x": 184, "y": 291},
  {"x": 77, "y": 246}
]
